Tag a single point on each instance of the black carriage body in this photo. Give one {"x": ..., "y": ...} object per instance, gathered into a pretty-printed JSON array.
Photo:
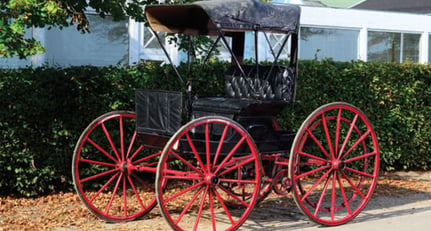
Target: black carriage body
[
  {"x": 333, "y": 164},
  {"x": 254, "y": 94}
]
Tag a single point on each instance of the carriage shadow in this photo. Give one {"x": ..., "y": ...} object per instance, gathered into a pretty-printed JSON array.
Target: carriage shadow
[{"x": 388, "y": 201}]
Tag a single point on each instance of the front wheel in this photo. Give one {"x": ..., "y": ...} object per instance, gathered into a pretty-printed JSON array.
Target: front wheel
[
  {"x": 334, "y": 164},
  {"x": 209, "y": 163}
]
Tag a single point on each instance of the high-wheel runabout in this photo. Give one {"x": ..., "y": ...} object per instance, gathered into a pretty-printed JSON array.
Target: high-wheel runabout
[{"x": 209, "y": 172}]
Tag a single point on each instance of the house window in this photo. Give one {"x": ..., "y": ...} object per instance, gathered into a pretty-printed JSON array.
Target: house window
[
  {"x": 264, "y": 47},
  {"x": 429, "y": 48},
  {"x": 393, "y": 47},
  {"x": 320, "y": 43},
  {"x": 151, "y": 47},
  {"x": 106, "y": 44}
]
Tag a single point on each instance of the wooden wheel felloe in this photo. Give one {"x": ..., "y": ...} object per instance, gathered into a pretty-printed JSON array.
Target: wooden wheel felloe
[
  {"x": 334, "y": 164},
  {"x": 105, "y": 167},
  {"x": 209, "y": 163}
]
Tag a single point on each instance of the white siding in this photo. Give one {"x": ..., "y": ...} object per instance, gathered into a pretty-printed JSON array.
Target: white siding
[{"x": 130, "y": 47}]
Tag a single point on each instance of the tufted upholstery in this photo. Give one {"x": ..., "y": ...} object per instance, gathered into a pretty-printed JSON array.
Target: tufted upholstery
[
  {"x": 277, "y": 85},
  {"x": 265, "y": 94}
]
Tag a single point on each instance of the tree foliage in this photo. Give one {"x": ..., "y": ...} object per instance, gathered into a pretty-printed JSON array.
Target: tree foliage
[{"x": 18, "y": 15}]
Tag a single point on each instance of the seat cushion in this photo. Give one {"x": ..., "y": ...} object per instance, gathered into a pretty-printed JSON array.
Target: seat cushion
[{"x": 237, "y": 106}]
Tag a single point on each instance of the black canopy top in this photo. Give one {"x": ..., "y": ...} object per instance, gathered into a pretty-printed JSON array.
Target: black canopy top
[{"x": 205, "y": 17}]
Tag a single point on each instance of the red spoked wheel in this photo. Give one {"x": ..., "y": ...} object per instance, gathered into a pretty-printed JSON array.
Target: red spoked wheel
[
  {"x": 105, "y": 167},
  {"x": 334, "y": 164},
  {"x": 209, "y": 163}
]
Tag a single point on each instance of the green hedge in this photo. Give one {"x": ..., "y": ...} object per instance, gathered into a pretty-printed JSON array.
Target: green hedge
[
  {"x": 395, "y": 97},
  {"x": 44, "y": 110}
]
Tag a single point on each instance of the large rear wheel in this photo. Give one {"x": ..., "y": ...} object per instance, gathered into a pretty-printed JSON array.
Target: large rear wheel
[
  {"x": 334, "y": 164},
  {"x": 105, "y": 168},
  {"x": 209, "y": 163}
]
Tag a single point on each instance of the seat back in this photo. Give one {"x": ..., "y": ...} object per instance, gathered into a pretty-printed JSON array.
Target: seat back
[{"x": 261, "y": 83}]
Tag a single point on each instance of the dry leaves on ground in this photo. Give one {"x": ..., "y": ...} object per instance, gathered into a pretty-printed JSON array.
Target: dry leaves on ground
[{"x": 66, "y": 210}]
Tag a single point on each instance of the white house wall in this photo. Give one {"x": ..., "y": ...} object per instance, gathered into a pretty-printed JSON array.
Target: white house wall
[
  {"x": 365, "y": 21},
  {"x": 362, "y": 21},
  {"x": 350, "y": 19}
]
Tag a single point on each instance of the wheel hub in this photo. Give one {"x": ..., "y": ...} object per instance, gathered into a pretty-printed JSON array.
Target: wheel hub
[
  {"x": 212, "y": 179},
  {"x": 126, "y": 167},
  {"x": 338, "y": 164}
]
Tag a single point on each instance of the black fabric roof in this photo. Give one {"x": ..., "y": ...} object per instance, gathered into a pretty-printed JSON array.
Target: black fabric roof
[{"x": 204, "y": 17}]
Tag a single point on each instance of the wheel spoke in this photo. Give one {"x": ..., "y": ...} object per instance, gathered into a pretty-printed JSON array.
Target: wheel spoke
[
  {"x": 201, "y": 164},
  {"x": 356, "y": 143},
  {"x": 131, "y": 145},
  {"x": 145, "y": 184},
  {"x": 125, "y": 196},
  {"x": 352, "y": 184},
  {"x": 136, "y": 192},
  {"x": 312, "y": 171},
  {"x": 233, "y": 195},
  {"x": 184, "y": 191},
  {"x": 315, "y": 185},
  {"x": 207, "y": 147},
  {"x": 110, "y": 141},
  {"x": 186, "y": 162},
  {"x": 121, "y": 138},
  {"x": 230, "y": 154},
  {"x": 337, "y": 133},
  {"x": 97, "y": 162},
  {"x": 318, "y": 144},
  {"x": 113, "y": 194},
  {"x": 102, "y": 150},
  {"x": 334, "y": 184},
  {"x": 346, "y": 202},
  {"x": 328, "y": 138},
  {"x": 220, "y": 145},
  {"x": 178, "y": 175},
  {"x": 322, "y": 195},
  {"x": 313, "y": 157},
  {"x": 212, "y": 208},
  {"x": 201, "y": 206},
  {"x": 104, "y": 187},
  {"x": 136, "y": 152},
  {"x": 224, "y": 206},
  {"x": 99, "y": 175},
  {"x": 360, "y": 157},
  {"x": 148, "y": 157},
  {"x": 239, "y": 181},
  {"x": 359, "y": 172},
  {"x": 187, "y": 207},
  {"x": 352, "y": 125},
  {"x": 244, "y": 162}
]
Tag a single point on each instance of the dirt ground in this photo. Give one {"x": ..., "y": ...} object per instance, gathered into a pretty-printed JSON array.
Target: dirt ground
[{"x": 65, "y": 212}]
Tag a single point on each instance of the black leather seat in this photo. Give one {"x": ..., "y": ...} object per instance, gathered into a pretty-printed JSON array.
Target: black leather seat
[
  {"x": 264, "y": 91},
  {"x": 237, "y": 106}
]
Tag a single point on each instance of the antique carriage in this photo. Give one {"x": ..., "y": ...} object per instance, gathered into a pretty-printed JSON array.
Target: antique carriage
[{"x": 210, "y": 172}]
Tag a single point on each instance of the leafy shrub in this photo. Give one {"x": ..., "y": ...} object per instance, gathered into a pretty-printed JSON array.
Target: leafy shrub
[
  {"x": 44, "y": 110},
  {"x": 395, "y": 98}
]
